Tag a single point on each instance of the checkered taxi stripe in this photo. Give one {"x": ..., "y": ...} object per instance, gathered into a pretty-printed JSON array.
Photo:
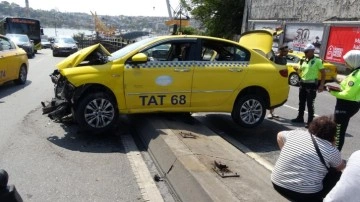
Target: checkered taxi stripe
[{"x": 174, "y": 64}]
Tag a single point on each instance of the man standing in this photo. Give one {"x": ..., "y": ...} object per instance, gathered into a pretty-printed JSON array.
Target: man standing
[
  {"x": 281, "y": 60},
  {"x": 309, "y": 68}
]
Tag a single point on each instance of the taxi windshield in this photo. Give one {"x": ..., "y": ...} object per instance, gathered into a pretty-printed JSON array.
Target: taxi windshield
[{"x": 122, "y": 52}]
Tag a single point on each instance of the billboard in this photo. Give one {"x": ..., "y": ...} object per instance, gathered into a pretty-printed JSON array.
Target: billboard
[
  {"x": 298, "y": 35},
  {"x": 341, "y": 40}
]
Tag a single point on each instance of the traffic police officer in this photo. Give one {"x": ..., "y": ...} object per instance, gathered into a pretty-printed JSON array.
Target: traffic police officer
[
  {"x": 347, "y": 97},
  {"x": 309, "y": 68}
]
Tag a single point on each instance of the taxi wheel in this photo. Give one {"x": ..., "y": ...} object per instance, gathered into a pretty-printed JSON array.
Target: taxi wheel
[
  {"x": 96, "y": 113},
  {"x": 249, "y": 111},
  {"x": 294, "y": 79},
  {"x": 22, "y": 75}
]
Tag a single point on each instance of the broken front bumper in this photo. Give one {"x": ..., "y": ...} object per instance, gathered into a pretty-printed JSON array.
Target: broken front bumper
[{"x": 60, "y": 106}]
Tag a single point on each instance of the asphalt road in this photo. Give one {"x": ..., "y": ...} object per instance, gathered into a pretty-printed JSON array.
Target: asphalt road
[{"x": 49, "y": 161}]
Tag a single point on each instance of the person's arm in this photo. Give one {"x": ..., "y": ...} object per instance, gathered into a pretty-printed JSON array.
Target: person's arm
[
  {"x": 322, "y": 82},
  {"x": 280, "y": 140},
  {"x": 341, "y": 166}
]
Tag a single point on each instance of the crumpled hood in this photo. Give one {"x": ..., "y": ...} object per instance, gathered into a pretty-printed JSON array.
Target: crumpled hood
[
  {"x": 259, "y": 39},
  {"x": 76, "y": 58}
]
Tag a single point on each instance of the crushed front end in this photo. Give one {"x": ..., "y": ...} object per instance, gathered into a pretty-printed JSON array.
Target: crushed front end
[{"x": 60, "y": 106}]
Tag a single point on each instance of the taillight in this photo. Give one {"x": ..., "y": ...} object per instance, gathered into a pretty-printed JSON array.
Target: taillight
[{"x": 284, "y": 73}]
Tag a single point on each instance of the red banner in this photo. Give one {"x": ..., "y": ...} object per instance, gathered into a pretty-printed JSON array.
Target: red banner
[{"x": 341, "y": 40}]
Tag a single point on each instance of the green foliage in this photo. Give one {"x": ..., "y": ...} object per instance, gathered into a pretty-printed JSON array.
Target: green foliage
[
  {"x": 190, "y": 31},
  {"x": 220, "y": 18}
]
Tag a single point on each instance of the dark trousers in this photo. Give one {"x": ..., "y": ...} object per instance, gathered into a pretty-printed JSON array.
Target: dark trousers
[
  {"x": 307, "y": 95},
  {"x": 300, "y": 197},
  {"x": 344, "y": 110}
]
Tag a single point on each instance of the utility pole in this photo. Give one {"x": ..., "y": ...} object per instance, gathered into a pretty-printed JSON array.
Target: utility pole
[{"x": 27, "y": 8}]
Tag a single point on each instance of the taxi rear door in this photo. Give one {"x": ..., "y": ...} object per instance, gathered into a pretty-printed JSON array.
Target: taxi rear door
[
  {"x": 164, "y": 81},
  {"x": 218, "y": 73}
]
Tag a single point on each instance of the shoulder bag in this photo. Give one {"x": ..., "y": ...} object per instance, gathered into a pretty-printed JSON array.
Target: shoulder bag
[{"x": 332, "y": 177}]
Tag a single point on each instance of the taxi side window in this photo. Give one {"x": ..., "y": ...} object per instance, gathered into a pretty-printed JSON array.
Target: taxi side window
[
  {"x": 170, "y": 51},
  {"x": 221, "y": 51},
  {"x": 5, "y": 44},
  {"x": 159, "y": 52}
]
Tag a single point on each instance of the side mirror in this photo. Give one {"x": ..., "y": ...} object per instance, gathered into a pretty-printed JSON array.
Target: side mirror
[{"x": 139, "y": 58}]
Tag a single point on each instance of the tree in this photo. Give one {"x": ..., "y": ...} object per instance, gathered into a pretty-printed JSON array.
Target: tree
[{"x": 220, "y": 18}]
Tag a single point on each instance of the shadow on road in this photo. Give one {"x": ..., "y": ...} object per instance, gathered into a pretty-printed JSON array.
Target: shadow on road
[
  {"x": 10, "y": 87},
  {"x": 72, "y": 139}
]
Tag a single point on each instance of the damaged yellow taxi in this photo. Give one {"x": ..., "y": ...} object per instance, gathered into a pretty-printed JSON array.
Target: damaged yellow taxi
[{"x": 178, "y": 73}]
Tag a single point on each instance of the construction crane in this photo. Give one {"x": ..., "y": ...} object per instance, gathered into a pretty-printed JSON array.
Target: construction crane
[
  {"x": 101, "y": 28},
  {"x": 178, "y": 16}
]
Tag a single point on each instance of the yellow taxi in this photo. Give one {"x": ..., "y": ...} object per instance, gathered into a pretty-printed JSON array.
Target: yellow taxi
[
  {"x": 178, "y": 73},
  {"x": 293, "y": 61},
  {"x": 13, "y": 62}
]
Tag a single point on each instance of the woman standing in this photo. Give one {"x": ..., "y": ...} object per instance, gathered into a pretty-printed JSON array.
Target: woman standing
[
  {"x": 347, "y": 97},
  {"x": 299, "y": 172}
]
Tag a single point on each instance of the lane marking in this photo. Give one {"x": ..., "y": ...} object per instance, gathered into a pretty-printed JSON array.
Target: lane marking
[
  {"x": 148, "y": 188},
  {"x": 296, "y": 109}
]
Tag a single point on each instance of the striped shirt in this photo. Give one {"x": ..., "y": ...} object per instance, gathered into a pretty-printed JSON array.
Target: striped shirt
[{"x": 299, "y": 167}]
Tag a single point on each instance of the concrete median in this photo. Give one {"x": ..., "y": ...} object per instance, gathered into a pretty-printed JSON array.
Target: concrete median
[{"x": 186, "y": 153}]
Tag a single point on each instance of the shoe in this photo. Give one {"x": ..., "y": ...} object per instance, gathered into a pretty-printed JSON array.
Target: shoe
[
  {"x": 306, "y": 125},
  {"x": 272, "y": 116},
  {"x": 297, "y": 120}
]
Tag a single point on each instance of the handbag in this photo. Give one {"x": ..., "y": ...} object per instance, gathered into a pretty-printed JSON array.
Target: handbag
[{"x": 333, "y": 175}]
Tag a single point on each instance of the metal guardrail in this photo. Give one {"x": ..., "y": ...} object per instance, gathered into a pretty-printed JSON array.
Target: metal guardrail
[{"x": 111, "y": 44}]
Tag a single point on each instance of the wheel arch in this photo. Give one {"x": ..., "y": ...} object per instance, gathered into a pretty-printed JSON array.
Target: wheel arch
[
  {"x": 86, "y": 89},
  {"x": 254, "y": 90}
]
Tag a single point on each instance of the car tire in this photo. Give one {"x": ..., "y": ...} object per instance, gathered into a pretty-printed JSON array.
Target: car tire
[
  {"x": 22, "y": 75},
  {"x": 294, "y": 79},
  {"x": 54, "y": 55},
  {"x": 96, "y": 113},
  {"x": 249, "y": 111}
]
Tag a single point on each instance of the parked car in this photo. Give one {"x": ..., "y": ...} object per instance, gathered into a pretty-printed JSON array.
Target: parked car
[
  {"x": 64, "y": 45},
  {"x": 196, "y": 74},
  {"x": 23, "y": 41},
  {"x": 45, "y": 43},
  {"x": 293, "y": 60},
  {"x": 14, "y": 63}
]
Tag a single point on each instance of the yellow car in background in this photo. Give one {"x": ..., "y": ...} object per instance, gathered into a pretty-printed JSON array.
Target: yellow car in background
[
  {"x": 13, "y": 62},
  {"x": 178, "y": 73},
  {"x": 293, "y": 60}
]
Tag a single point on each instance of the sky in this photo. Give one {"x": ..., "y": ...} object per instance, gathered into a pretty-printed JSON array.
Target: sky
[{"x": 104, "y": 7}]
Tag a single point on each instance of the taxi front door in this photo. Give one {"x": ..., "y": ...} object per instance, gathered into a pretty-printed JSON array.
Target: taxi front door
[{"x": 164, "y": 82}]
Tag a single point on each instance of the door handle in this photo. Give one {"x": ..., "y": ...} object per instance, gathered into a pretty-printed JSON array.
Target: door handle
[
  {"x": 235, "y": 70},
  {"x": 181, "y": 70}
]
